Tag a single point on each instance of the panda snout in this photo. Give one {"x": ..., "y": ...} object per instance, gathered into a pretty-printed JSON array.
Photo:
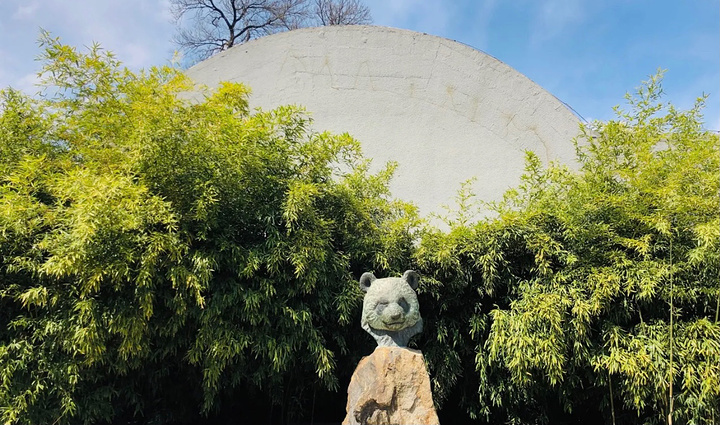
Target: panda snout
[{"x": 394, "y": 312}]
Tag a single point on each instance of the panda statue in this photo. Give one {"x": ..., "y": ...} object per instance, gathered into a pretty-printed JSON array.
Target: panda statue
[{"x": 391, "y": 313}]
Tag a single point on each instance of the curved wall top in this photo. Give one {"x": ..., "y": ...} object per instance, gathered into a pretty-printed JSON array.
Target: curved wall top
[{"x": 443, "y": 110}]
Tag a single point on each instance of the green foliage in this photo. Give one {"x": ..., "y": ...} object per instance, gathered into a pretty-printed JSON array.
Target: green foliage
[
  {"x": 564, "y": 301},
  {"x": 157, "y": 252},
  {"x": 159, "y": 256}
]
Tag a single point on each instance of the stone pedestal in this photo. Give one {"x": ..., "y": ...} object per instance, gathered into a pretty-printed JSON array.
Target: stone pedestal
[{"x": 391, "y": 386}]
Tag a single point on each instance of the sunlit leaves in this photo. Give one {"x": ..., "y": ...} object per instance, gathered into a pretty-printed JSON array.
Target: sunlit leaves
[
  {"x": 577, "y": 272},
  {"x": 143, "y": 234}
]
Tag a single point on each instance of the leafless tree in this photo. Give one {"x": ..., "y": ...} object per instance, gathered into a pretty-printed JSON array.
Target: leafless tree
[
  {"x": 206, "y": 27},
  {"x": 341, "y": 12}
]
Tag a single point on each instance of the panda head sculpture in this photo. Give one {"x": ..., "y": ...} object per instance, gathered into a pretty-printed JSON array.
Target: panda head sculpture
[{"x": 391, "y": 313}]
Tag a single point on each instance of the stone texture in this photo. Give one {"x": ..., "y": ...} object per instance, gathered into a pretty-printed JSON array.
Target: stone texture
[
  {"x": 444, "y": 111},
  {"x": 391, "y": 386},
  {"x": 391, "y": 312}
]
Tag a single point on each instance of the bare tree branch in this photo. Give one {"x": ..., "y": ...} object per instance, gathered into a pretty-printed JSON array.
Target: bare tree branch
[
  {"x": 206, "y": 27},
  {"x": 342, "y": 12}
]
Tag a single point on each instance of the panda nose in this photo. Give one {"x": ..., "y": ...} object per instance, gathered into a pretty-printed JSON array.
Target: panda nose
[{"x": 396, "y": 315}]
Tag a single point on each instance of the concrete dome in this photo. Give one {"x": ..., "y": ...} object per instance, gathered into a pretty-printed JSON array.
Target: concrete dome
[{"x": 444, "y": 111}]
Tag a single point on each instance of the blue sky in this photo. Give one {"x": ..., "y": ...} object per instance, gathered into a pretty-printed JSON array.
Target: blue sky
[{"x": 586, "y": 53}]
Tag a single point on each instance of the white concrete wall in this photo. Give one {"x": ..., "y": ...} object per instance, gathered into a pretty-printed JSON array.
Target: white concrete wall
[{"x": 443, "y": 110}]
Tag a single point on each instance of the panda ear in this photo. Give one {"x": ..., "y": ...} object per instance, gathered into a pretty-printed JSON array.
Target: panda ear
[
  {"x": 366, "y": 280},
  {"x": 412, "y": 278}
]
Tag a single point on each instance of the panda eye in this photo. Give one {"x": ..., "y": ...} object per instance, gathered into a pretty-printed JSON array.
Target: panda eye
[
  {"x": 404, "y": 304},
  {"x": 381, "y": 306}
]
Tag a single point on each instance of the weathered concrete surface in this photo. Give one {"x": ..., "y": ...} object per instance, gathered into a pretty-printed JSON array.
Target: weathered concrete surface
[
  {"x": 391, "y": 386},
  {"x": 443, "y": 110}
]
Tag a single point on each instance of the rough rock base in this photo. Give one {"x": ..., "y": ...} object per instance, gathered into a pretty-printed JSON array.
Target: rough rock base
[{"x": 391, "y": 386}]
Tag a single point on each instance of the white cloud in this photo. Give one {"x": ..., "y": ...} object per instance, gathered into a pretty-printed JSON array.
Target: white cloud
[
  {"x": 715, "y": 127},
  {"x": 554, "y": 18},
  {"x": 164, "y": 11},
  {"x": 28, "y": 83},
  {"x": 26, "y": 11},
  {"x": 137, "y": 31},
  {"x": 136, "y": 55},
  {"x": 479, "y": 30},
  {"x": 4, "y": 82}
]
